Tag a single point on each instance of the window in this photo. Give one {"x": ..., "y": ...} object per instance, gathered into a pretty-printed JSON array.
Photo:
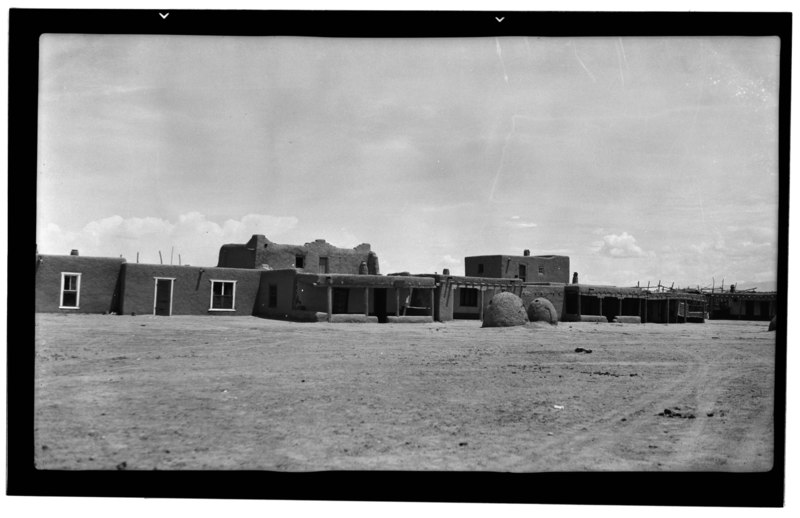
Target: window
[
  {"x": 480, "y": 268},
  {"x": 273, "y": 296},
  {"x": 70, "y": 290},
  {"x": 223, "y": 294},
  {"x": 323, "y": 265},
  {"x": 541, "y": 270},
  {"x": 299, "y": 261},
  {"x": 469, "y": 297}
]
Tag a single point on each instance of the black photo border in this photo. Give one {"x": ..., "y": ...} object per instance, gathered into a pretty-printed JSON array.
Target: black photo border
[{"x": 595, "y": 488}]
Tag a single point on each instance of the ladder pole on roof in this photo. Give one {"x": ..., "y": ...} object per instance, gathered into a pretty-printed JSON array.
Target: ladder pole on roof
[{"x": 160, "y": 259}]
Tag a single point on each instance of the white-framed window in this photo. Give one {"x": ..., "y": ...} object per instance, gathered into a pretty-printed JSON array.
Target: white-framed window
[
  {"x": 223, "y": 295},
  {"x": 70, "y": 291}
]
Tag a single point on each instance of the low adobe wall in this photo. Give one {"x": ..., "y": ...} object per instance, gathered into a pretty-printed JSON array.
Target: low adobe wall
[
  {"x": 191, "y": 288},
  {"x": 99, "y": 283}
]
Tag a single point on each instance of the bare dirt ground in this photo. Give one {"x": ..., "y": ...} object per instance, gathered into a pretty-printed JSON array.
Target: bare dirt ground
[{"x": 122, "y": 392}]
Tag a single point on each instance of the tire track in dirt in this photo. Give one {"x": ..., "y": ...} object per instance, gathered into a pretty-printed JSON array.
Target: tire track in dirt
[
  {"x": 601, "y": 430},
  {"x": 744, "y": 429}
]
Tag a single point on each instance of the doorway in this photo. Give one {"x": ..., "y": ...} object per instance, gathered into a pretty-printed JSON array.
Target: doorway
[
  {"x": 340, "y": 296},
  {"x": 379, "y": 300},
  {"x": 162, "y": 301}
]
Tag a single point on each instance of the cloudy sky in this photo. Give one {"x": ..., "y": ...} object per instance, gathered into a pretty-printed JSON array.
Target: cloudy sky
[{"x": 643, "y": 159}]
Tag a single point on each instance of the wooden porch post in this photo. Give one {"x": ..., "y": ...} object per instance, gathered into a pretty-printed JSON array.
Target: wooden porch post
[
  {"x": 578, "y": 291},
  {"x": 480, "y": 313},
  {"x": 366, "y": 302},
  {"x": 433, "y": 299},
  {"x": 397, "y": 302},
  {"x": 600, "y": 301},
  {"x": 330, "y": 303},
  {"x": 620, "y": 308}
]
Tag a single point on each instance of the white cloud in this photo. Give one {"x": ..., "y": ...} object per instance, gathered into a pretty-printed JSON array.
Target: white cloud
[
  {"x": 194, "y": 237},
  {"x": 517, "y": 222},
  {"x": 620, "y": 246},
  {"x": 455, "y": 265},
  {"x": 449, "y": 259}
]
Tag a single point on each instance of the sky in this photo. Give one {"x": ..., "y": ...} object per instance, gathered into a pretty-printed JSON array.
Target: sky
[{"x": 642, "y": 159}]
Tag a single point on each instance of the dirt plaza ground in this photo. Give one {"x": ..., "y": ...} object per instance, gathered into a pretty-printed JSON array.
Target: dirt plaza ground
[{"x": 196, "y": 392}]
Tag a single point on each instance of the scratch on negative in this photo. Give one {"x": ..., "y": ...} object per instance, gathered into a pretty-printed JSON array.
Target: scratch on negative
[
  {"x": 575, "y": 51},
  {"x": 503, "y": 156},
  {"x": 502, "y": 63},
  {"x": 624, "y": 57}
]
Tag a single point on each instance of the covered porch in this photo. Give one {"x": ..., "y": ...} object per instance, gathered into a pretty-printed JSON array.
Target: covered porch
[{"x": 368, "y": 298}]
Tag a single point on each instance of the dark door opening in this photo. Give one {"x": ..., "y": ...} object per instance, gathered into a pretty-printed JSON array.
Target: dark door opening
[
  {"x": 340, "y": 296},
  {"x": 590, "y": 305},
  {"x": 163, "y": 305},
  {"x": 765, "y": 310},
  {"x": 379, "y": 300},
  {"x": 630, "y": 307},
  {"x": 571, "y": 302},
  {"x": 610, "y": 308},
  {"x": 523, "y": 272}
]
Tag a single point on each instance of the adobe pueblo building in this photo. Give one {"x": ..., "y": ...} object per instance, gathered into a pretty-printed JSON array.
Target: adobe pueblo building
[
  {"x": 316, "y": 257},
  {"x": 312, "y": 282},
  {"x": 318, "y": 281},
  {"x": 527, "y": 268}
]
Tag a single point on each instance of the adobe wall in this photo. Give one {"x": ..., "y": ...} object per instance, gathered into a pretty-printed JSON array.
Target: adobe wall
[
  {"x": 262, "y": 253},
  {"x": 492, "y": 266},
  {"x": 734, "y": 305},
  {"x": 450, "y": 307},
  {"x": 236, "y": 256},
  {"x": 555, "y": 267},
  {"x": 297, "y": 296},
  {"x": 554, "y": 294},
  {"x": 284, "y": 282},
  {"x": 191, "y": 288},
  {"x": 98, "y": 285},
  {"x": 316, "y": 298}
]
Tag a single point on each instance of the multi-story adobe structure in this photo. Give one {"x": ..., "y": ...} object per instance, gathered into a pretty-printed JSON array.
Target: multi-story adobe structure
[
  {"x": 526, "y": 267},
  {"x": 318, "y": 281}
]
